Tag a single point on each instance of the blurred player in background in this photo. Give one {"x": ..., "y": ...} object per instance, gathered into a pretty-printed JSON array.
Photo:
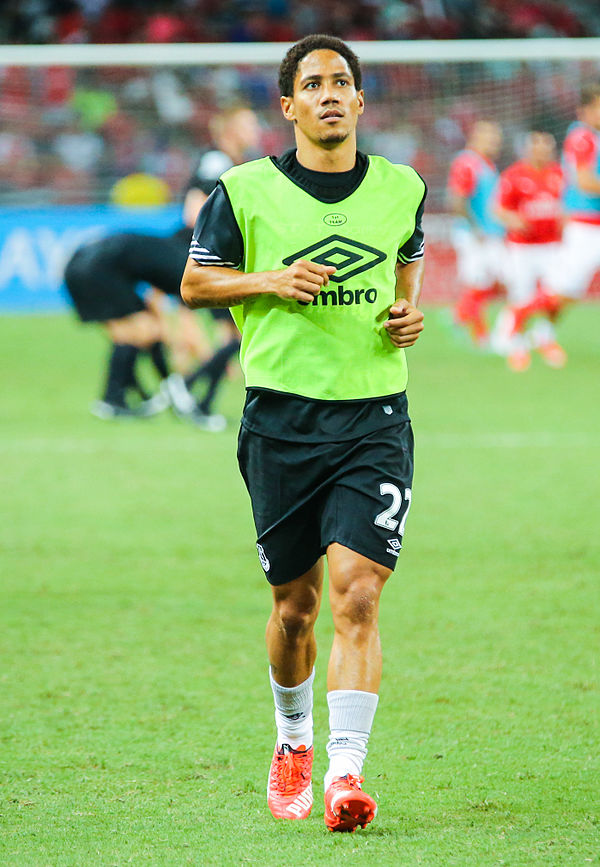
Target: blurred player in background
[
  {"x": 312, "y": 249},
  {"x": 529, "y": 206},
  {"x": 581, "y": 166},
  {"x": 477, "y": 236},
  {"x": 102, "y": 279},
  {"x": 236, "y": 137},
  {"x": 235, "y": 134}
]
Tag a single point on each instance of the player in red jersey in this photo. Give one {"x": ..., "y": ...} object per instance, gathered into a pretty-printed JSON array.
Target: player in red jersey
[
  {"x": 581, "y": 166},
  {"x": 477, "y": 236},
  {"x": 529, "y": 205}
]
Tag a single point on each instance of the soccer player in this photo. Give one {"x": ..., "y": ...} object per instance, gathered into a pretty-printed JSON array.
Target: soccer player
[
  {"x": 581, "y": 166},
  {"x": 477, "y": 236},
  {"x": 529, "y": 206},
  {"x": 319, "y": 253},
  {"x": 235, "y": 134},
  {"x": 102, "y": 279}
]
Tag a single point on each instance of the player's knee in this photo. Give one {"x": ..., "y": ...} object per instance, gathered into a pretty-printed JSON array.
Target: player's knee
[
  {"x": 297, "y": 617},
  {"x": 357, "y": 604}
]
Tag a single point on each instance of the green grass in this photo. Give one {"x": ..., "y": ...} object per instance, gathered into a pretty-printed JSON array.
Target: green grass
[{"x": 135, "y": 712}]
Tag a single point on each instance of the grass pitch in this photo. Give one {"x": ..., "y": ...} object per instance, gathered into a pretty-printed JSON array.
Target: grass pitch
[{"x": 136, "y": 715}]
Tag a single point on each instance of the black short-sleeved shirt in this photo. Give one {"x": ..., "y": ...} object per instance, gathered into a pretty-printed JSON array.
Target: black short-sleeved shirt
[{"x": 217, "y": 240}]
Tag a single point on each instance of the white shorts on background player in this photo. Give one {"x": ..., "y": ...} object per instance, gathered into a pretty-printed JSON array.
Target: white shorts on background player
[
  {"x": 526, "y": 264},
  {"x": 580, "y": 258},
  {"x": 479, "y": 261}
]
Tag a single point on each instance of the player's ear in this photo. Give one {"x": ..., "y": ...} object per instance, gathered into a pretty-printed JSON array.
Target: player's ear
[
  {"x": 287, "y": 107},
  {"x": 360, "y": 96}
]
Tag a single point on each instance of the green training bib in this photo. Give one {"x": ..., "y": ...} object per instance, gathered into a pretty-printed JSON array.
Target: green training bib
[{"x": 336, "y": 347}]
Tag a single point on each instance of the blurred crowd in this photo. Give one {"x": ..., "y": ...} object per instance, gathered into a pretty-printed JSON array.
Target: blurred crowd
[
  {"x": 78, "y": 135},
  {"x": 63, "y": 21}
]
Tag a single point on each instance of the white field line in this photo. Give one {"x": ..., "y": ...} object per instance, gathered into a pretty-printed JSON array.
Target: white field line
[{"x": 90, "y": 445}]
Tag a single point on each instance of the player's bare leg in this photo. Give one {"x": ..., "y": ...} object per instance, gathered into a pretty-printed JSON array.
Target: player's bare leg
[
  {"x": 139, "y": 329},
  {"x": 128, "y": 335},
  {"x": 355, "y": 585},
  {"x": 292, "y": 651},
  {"x": 354, "y": 674},
  {"x": 291, "y": 645}
]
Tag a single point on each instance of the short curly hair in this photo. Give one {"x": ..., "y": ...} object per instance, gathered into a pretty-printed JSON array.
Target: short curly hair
[{"x": 316, "y": 42}]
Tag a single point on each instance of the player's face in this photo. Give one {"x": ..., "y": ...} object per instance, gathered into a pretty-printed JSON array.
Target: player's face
[
  {"x": 590, "y": 114},
  {"x": 541, "y": 148},
  {"x": 246, "y": 129},
  {"x": 488, "y": 139},
  {"x": 325, "y": 104}
]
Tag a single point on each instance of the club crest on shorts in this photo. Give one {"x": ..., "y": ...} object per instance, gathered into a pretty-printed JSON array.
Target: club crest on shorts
[{"x": 264, "y": 560}]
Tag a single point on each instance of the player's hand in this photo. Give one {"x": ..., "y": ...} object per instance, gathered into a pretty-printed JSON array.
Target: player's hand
[
  {"x": 405, "y": 323},
  {"x": 302, "y": 280},
  {"x": 516, "y": 223}
]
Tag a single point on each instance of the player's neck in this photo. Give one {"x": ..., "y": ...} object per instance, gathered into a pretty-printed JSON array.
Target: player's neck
[{"x": 341, "y": 158}]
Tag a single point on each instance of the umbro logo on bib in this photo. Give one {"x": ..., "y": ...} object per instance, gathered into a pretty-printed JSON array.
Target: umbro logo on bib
[{"x": 349, "y": 257}]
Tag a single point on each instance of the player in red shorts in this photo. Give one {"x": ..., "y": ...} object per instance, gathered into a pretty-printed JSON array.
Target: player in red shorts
[
  {"x": 477, "y": 236},
  {"x": 529, "y": 206}
]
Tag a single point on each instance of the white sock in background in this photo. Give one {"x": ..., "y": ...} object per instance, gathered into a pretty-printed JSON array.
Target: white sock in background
[
  {"x": 542, "y": 333},
  {"x": 351, "y": 714},
  {"x": 293, "y": 712}
]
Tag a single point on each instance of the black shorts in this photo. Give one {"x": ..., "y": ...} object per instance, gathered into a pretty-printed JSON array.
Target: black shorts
[
  {"x": 98, "y": 290},
  {"x": 306, "y": 496}
]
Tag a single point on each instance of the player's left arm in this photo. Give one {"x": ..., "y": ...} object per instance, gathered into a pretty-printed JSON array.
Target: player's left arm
[
  {"x": 406, "y": 321},
  {"x": 582, "y": 150}
]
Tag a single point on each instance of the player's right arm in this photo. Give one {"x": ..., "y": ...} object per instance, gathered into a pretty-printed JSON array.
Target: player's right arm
[
  {"x": 214, "y": 275},
  {"x": 218, "y": 286}
]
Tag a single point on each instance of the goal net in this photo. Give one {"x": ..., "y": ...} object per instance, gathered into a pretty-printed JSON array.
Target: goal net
[{"x": 76, "y": 120}]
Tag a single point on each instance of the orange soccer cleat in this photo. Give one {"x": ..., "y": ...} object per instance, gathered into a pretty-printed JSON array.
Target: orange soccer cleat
[
  {"x": 347, "y": 806},
  {"x": 553, "y": 354},
  {"x": 289, "y": 791},
  {"x": 519, "y": 360}
]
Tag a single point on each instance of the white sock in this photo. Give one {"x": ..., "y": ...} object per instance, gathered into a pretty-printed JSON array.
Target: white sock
[
  {"x": 501, "y": 341},
  {"x": 542, "y": 333},
  {"x": 293, "y": 712},
  {"x": 351, "y": 715}
]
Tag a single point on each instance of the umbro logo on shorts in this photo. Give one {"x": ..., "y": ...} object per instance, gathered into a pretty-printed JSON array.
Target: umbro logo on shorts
[
  {"x": 349, "y": 257},
  {"x": 395, "y": 545}
]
